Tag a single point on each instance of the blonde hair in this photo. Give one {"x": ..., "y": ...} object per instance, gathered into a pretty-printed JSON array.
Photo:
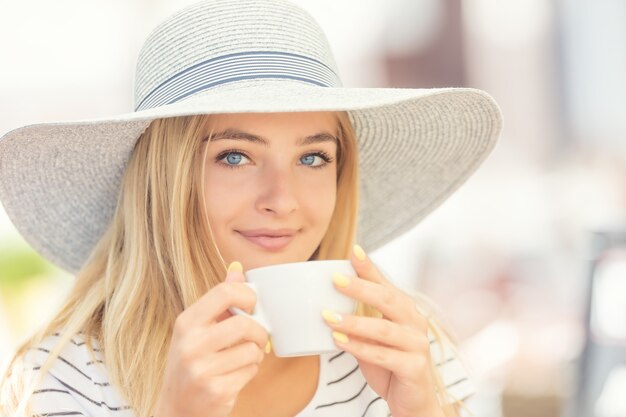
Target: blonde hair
[{"x": 137, "y": 280}]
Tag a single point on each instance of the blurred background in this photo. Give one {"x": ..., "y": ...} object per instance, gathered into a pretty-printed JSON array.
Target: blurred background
[{"x": 526, "y": 260}]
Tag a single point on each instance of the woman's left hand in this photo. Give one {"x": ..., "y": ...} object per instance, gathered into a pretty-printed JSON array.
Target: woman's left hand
[{"x": 393, "y": 352}]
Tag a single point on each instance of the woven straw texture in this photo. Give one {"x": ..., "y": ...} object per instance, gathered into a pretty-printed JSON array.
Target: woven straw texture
[{"x": 61, "y": 181}]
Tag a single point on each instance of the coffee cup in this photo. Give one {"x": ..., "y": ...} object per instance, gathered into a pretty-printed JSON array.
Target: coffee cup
[{"x": 290, "y": 300}]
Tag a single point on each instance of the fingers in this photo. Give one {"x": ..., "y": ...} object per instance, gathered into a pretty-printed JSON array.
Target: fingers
[
  {"x": 235, "y": 273},
  {"x": 399, "y": 349},
  {"x": 226, "y": 387},
  {"x": 215, "y": 392},
  {"x": 211, "y": 306},
  {"x": 235, "y": 358},
  {"x": 394, "y": 304},
  {"x": 365, "y": 268},
  {"x": 231, "y": 331},
  {"x": 404, "y": 365},
  {"x": 372, "y": 329},
  {"x": 213, "y": 354},
  {"x": 371, "y": 287},
  {"x": 240, "y": 377}
]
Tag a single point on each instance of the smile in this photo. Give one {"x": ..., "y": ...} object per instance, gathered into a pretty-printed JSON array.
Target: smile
[{"x": 270, "y": 243}]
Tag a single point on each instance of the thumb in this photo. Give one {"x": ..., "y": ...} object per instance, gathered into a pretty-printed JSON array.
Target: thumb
[{"x": 235, "y": 273}]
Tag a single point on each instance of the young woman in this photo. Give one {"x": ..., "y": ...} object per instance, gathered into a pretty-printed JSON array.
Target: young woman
[{"x": 243, "y": 151}]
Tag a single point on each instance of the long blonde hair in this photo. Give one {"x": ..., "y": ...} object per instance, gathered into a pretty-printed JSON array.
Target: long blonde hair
[{"x": 154, "y": 261}]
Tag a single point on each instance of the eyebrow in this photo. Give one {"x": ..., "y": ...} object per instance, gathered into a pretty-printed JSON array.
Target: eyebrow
[{"x": 235, "y": 134}]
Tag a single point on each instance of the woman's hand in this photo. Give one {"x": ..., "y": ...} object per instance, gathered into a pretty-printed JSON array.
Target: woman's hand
[
  {"x": 213, "y": 353},
  {"x": 393, "y": 351}
]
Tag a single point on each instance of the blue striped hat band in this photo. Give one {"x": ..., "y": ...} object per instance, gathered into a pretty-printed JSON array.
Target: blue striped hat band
[{"x": 239, "y": 66}]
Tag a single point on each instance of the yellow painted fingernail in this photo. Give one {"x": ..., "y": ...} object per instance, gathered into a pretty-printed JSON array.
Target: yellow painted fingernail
[
  {"x": 341, "y": 280},
  {"x": 359, "y": 252},
  {"x": 331, "y": 317},
  {"x": 235, "y": 267},
  {"x": 268, "y": 347},
  {"x": 340, "y": 337}
]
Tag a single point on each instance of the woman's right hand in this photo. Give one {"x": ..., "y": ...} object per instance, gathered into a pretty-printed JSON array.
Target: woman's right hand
[{"x": 213, "y": 354}]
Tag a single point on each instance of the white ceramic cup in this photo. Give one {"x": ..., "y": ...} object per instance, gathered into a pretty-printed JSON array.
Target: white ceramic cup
[{"x": 290, "y": 300}]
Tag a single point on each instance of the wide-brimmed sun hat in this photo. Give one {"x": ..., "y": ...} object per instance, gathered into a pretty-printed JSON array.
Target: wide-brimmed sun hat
[{"x": 59, "y": 182}]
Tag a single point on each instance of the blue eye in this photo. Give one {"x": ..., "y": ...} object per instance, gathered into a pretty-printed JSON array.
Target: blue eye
[
  {"x": 232, "y": 158},
  {"x": 309, "y": 159}
]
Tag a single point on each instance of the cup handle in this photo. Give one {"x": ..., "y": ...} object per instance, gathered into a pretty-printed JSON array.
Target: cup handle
[{"x": 257, "y": 315}]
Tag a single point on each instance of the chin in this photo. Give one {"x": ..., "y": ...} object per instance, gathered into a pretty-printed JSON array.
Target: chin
[{"x": 271, "y": 259}]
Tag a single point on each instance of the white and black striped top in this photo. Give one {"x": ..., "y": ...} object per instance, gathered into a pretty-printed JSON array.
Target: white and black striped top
[{"x": 78, "y": 385}]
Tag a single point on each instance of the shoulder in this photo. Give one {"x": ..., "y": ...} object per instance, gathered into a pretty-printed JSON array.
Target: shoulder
[
  {"x": 75, "y": 364},
  {"x": 451, "y": 369},
  {"x": 77, "y": 379},
  {"x": 450, "y": 366}
]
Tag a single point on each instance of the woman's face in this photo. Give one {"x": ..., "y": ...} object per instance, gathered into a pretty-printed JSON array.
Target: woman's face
[{"x": 270, "y": 184}]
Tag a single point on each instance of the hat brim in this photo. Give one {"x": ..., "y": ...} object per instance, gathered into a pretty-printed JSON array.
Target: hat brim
[{"x": 60, "y": 181}]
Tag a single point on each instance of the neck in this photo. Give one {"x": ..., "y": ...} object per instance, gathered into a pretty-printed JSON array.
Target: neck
[{"x": 273, "y": 365}]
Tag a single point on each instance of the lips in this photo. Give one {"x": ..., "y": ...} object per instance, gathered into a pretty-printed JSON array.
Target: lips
[{"x": 270, "y": 240}]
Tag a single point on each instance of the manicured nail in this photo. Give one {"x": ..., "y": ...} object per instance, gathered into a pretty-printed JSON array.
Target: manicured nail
[
  {"x": 331, "y": 316},
  {"x": 341, "y": 280},
  {"x": 268, "y": 347},
  {"x": 235, "y": 267},
  {"x": 359, "y": 252},
  {"x": 340, "y": 337}
]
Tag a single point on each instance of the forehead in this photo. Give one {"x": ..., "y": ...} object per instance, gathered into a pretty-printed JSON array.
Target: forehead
[{"x": 292, "y": 122}]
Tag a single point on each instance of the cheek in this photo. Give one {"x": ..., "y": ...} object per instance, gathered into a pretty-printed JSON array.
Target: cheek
[
  {"x": 222, "y": 198},
  {"x": 321, "y": 199}
]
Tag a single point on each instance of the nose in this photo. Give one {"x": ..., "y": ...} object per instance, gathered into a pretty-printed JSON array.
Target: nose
[{"x": 278, "y": 191}]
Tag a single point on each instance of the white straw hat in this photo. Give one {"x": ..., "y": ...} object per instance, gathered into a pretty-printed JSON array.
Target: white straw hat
[{"x": 59, "y": 182}]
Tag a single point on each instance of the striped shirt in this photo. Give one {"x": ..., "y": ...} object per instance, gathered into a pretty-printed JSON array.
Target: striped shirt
[{"x": 77, "y": 384}]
